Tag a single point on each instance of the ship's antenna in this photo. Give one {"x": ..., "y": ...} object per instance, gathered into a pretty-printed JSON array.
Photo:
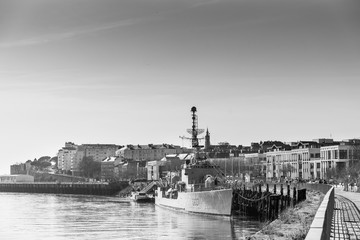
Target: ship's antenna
[{"x": 195, "y": 131}]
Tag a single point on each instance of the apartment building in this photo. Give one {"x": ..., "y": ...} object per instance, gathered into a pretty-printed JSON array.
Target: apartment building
[
  {"x": 66, "y": 156},
  {"x": 294, "y": 163},
  {"x": 148, "y": 152},
  {"x": 336, "y": 156},
  {"x": 311, "y": 160},
  {"x": 70, "y": 156},
  {"x": 99, "y": 151}
]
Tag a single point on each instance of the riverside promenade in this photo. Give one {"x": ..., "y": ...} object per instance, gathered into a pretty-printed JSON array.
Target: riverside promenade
[{"x": 346, "y": 215}]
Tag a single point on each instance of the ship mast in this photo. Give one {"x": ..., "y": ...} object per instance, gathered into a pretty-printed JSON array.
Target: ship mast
[{"x": 194, "y": 131}]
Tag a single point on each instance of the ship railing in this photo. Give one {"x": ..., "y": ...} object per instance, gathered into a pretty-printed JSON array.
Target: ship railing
[{"x": 200, "y": 187}]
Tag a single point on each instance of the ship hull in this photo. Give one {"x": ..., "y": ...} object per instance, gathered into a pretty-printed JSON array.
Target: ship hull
[{"x": 215, "y": 202}]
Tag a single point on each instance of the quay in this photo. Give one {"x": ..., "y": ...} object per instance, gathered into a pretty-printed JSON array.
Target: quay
[
  {"x": 105, "y": 189},
  {"x": 338, "y": 216},
  {"x": 346, "y": 216}
]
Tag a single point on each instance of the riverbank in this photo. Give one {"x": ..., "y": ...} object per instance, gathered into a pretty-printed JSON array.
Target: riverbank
[{"x": 293, "y": 223}]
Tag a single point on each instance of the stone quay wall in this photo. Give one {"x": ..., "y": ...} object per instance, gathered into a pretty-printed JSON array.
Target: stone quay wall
[{"x": 65, "y": 188}]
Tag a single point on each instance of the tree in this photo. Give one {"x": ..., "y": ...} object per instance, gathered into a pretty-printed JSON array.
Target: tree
[
  {"x": 54, "y": 161},
  {"x": 44, "y": 159},
  {"x": 287, "y": 168},
  {"x": 331, "y": 173},
  {"x": 42, "y": 163},
  {"x": 353, "y": 170},
  {"x": 90, "y": 168}
]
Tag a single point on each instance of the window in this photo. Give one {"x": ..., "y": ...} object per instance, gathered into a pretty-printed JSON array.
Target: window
[{"x": 343, "y": 154}]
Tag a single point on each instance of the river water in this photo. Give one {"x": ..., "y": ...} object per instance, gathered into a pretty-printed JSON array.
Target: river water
[{"x": 50, "y": 216}]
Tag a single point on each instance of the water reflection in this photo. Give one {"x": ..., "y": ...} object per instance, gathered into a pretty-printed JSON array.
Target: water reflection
[{"x": 40, "y": 216}]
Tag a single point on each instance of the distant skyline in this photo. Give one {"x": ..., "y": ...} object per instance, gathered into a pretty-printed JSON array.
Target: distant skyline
[{"x": 128, "y": 72}]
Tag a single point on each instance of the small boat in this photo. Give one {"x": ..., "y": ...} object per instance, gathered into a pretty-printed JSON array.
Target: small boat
[{"x": 141, "y": 197}]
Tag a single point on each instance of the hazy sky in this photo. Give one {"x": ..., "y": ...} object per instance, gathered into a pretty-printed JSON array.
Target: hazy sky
[{"x": 129, "y": 71}]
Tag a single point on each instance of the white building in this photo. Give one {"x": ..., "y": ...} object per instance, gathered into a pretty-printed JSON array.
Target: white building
[
  {"x": 172, "y": 161},
  {"x": 148, "y": 152},
  {"x": 70, "y": 156},
  {"x": 295, "y": 163},
  {"x": 66, "y": 156},
  {"x": 336, "y": 157},
  {"x": 16, "y": 178},
  {"x": 310, "y": 160}
]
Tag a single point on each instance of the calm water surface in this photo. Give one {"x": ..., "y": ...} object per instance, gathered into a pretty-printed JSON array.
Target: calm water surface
[{"x": 48, "y": 216}]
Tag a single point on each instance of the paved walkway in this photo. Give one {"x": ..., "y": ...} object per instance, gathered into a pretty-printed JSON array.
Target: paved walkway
[{"x": 346, "y": 216}]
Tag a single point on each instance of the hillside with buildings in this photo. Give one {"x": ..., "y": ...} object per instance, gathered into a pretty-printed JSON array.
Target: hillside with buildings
[{"x": 267, "y": 160}]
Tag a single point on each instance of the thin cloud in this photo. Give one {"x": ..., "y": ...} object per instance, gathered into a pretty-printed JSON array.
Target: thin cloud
[{"x": 67, "y": 35}]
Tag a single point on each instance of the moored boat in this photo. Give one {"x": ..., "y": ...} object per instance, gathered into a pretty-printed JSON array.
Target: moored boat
[
  {"x": 201, "y": 197},
  {"x": 199, "y": 189},
  {"x": 141, "y": 197}
]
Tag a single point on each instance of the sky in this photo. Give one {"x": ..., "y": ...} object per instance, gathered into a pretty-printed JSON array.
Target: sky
[{"x": 129, "y": 71}]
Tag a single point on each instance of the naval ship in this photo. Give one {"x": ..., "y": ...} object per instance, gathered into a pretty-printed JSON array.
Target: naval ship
[{"x": 200, "y": 188}]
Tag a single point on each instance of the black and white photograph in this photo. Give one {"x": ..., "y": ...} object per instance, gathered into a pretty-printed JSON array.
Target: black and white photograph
[{"x": 180, "y": 119}]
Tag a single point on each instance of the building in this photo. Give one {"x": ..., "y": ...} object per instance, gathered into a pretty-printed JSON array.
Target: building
[
  {"x": 70, "y": 156},
  {"x": 78, "y": 157},
  {"x": 256, "y": 164},
  {"x": 21, "y": 168},
  {"x": 207, "y": 141},
  {"x": 170, "y": 163},
  {"x": 16, "y": 178},
  {"x": 293, "y": 163},
  {"x": 334, "y": 157},
  {"x": 150, "y": 152},
  {"x": 311, "y": 159},
  {"x": 99, "y": 151},
  {"x": 66, "y": 157},
  {"x": 108, "y": 169}
]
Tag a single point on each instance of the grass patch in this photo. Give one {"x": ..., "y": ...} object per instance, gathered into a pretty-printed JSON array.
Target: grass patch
[{"x": 293, "y": 222}]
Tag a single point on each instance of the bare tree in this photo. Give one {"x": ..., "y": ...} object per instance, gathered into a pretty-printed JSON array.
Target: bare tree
[
  {"x": 287, "y": 168},
  {"x": 353, "y": 170}
]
